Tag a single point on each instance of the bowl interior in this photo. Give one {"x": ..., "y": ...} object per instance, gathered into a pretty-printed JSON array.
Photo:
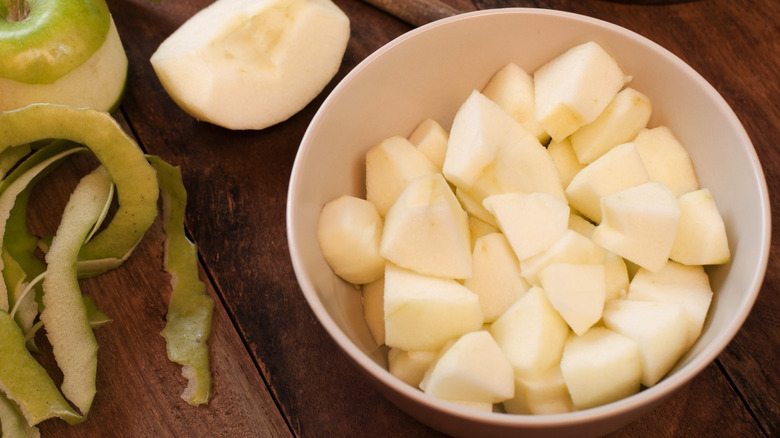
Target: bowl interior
[{"x": 429, "y": 72}]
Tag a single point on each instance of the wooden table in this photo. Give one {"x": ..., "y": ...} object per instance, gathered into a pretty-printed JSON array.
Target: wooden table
[{"x": 276, "y": 371}]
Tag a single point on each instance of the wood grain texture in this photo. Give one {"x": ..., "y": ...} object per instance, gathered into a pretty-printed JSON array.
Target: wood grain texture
[{"x": 277, "y": 373}]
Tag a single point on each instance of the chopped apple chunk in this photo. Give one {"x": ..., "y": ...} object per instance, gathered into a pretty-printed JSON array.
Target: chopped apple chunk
[
  {"x": 688, "y": 286},
  {"x": 619, "y": 123},
  {"x": 573, "y": 88},
  {"x": 531, "y": 222},
  {"x": 658, "y": 328},
  {"x": 473, "y": 369},
  {"x": 531, "y": 333},
  {"x": 496, "y": 275},
  {"x": 512, "y": 88},
  {"x": 427, "y": 231},
  {"x": 616, "y": 170},
  {"x": 577, "y": 292},
  {"x": 701, "y": 237},
  {"x": 390, "y": 166},
  {"x": 640, "y": 224},
  {"x": 423, "y": 313},
  {"x": 349, "y": 232},
  {"x": 600, "y": 367}
]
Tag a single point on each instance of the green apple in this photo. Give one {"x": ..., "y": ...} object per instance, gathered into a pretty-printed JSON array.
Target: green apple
[{"x": 66, "y": 52}]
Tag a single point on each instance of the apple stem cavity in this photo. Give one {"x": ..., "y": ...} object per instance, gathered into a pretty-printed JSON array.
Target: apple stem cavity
[{"x": 18, "y": 11}]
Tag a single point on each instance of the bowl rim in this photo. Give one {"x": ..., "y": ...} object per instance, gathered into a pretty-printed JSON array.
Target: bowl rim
[{"x": 647, "y": 396}]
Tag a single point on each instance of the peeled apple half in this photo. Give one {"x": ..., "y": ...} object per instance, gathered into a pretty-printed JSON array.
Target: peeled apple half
[{"x": 249, "y": 64}]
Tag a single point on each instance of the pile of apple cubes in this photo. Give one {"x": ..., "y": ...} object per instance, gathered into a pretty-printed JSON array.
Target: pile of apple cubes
[{"x": 503, "y": 274}]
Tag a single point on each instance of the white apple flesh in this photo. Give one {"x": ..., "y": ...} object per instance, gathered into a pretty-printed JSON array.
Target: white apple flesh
[
  {"x": 619, "y": 123},
  {"x": 531, "y": 333},
  {"x": 600, "y": 367},
  {"x": 512, "y": 88},
  {"x": 495, "y": 275},
  {"x": 249, "y": 64},
  {"x": 573, "y": 88},
  {"x": 391, "y": 165},
  {"x": 349, "y": 232},
  {"x": 423, "y": 312},
  {"x": 473, "y": 369},
  {"x": 427, "y": 231}
]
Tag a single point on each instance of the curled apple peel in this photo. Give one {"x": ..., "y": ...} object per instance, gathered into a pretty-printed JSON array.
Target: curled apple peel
[{"x": 69, "y": 317}]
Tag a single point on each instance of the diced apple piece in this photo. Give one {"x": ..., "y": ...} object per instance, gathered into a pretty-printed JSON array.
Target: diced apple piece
[
  {"x": 512, "y": 88},
  {"x": 544, "y": 395},
  {"x": 410, "y": 366},
  {"x": 531, "y": 333},
  {"x": 658, "y": 328},
  {"x": 621, "y": 121},
  {"x": 581, "y": 225},
  {"x": 473, "y": 369},
  {"x": 390, "y": 166},
  {"x": 616, "y": 276},
  {"x": 427, "y": 231},
  {"x": 349, "y": 232},
  {"x": 666, "y": 160},
  {"x": 496, "y": 275},
  {"x": 617, "y": 170},
  {"x": 423, "y": 312},
  {"x": 526, "y": 166},
  {"x": 688, "y": 286},
  {"x": 600, "y": 367},
  {"x": 701, "y": 237},
  {"x": 372, "y": 298},
  {"x": 532, "y": 222},
  {"x": 486, "y": 185},
  {"x": 479, "y": 129},
  {"x": 572, "y": 247},
  {"x": 431, "y": 139},
  {"x": 572, "y": 89},
  {"x": 640, "y": 224},
  {"x": 566, "y": 161},
  {"x": 477, "y": 229},
  {"x": 576, "y": 291},
  {"x": 474, "y": 207}
]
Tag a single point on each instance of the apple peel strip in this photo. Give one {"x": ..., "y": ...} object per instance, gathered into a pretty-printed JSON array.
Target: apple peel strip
[
  {"x": 190, "y": 310},
  {"x": 25, "y": 382}
]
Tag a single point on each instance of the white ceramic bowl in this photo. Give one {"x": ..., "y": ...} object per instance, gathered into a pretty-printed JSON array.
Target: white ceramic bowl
[{"x": 429, "y": 72}]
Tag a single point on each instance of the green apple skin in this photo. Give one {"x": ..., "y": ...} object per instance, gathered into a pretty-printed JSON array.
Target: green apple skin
[{"x": 44, "y": 40}]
